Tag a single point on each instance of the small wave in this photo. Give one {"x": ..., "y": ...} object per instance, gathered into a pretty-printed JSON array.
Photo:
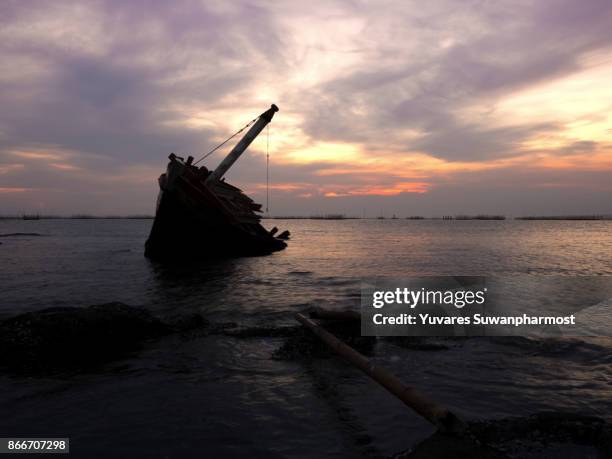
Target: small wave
[
  {"x": 338, "y": 281},
  {"x": 594, "y": 319},
  {"x": 20, "y": 234},
  {"x": 572, "y": 348}
]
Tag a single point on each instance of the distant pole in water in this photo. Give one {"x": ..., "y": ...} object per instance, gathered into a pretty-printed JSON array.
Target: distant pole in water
[{"x": 233, "y": 155}]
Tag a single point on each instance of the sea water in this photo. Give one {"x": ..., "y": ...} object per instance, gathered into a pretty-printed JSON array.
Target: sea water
[{"x": 194, "y": 395}]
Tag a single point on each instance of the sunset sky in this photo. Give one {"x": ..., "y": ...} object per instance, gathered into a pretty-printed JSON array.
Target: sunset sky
[{"x": 413, "y": 108}]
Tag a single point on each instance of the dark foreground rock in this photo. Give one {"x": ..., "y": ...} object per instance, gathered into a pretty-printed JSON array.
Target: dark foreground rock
[
  {"x": 58, "y": 339},
  {"x": 539, "y": 435},
  {"x": 518, "y": 436},
  {"x": 441, "y": 446},
  {"x": 417, "y": 343},
  {"x": 263, "y": 332}
]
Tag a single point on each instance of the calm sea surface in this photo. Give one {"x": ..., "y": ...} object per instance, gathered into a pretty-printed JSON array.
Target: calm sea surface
[{"x": 219, "y": 395}]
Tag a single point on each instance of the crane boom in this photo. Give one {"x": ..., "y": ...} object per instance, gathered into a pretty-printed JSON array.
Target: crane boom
[{"x": 242, "y": 145}]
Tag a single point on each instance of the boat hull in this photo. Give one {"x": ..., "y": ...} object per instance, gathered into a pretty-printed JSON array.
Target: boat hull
[{"x": 196, "y": 221}]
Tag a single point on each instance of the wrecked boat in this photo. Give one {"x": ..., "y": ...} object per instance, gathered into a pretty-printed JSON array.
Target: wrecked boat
[{"x": 200, "y": 215}]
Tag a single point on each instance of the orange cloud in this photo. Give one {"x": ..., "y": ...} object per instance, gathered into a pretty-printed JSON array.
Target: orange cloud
[
  {"x": 8, "y": 168},
  {"x": 282, "y": 186},
  {"x": 39, "y": 155},
  {"x": 595, "y": 161},
  {"x": 395, "y": 189},
  {"x": 12, "y": 189},
  {"x": 65, "y": 166}
]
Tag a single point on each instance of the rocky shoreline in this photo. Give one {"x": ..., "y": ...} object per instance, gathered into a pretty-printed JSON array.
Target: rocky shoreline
[{"x": 71, "y": 338}]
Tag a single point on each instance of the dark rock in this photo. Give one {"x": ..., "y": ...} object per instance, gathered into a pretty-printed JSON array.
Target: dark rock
[
  {"x": 441, "y": 446},
  {"x": 519, "y": 437},
  {"x": 416, "y": 343},
  {"x": 263, "y": 332},
  {"x": 184, "y": 323},
  {"x": 59, "y": 339},
  {"x": 545, "y": 428}
]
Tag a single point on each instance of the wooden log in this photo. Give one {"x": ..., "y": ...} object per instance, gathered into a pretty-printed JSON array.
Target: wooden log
[{"x": 435, "y": 413}]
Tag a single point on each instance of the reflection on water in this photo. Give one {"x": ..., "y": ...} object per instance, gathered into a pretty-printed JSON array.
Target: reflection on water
[{"x": 211, "y": 394}]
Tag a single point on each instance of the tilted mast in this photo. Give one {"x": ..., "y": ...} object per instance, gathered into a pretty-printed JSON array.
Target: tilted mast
[{"x": 233, "y": 155}]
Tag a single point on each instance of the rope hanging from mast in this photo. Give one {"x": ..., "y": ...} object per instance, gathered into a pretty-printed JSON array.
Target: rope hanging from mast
[
  {"x": 226, "y": 140},
  {"x": 268, "y": 170}
]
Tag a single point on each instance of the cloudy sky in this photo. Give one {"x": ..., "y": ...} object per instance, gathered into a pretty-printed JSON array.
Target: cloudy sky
[{"x": 430, "y": 108}]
